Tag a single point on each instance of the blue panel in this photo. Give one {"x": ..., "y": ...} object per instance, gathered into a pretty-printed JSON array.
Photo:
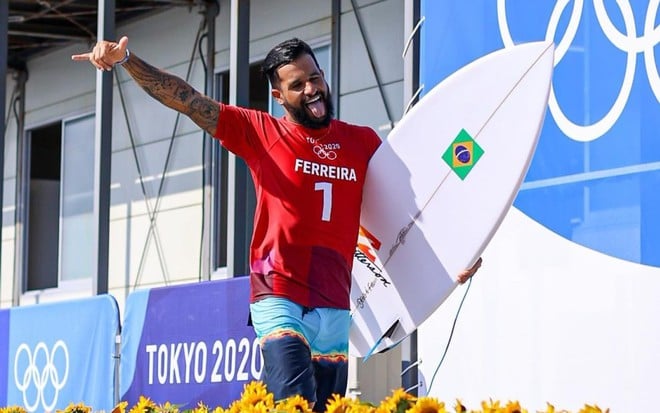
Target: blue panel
[
  {"x": 595, "y": 172},
  {"x": 4, "y": 355},
  {"x": 135, "y": 310},
  {"x": 194, "y": 344},
  {"x": 62, "y": 353}
]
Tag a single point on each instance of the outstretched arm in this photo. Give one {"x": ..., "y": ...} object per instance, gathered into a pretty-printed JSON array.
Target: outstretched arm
[{"x": 166, "y": 88}]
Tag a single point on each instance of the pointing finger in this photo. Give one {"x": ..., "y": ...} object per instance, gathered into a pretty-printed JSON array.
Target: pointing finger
[{"x": 81, "y": 57}]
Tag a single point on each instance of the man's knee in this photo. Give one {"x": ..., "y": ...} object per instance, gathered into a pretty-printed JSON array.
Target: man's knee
[{"x": 288, "y": 368}]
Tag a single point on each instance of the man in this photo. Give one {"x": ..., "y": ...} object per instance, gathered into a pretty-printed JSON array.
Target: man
[{"x": 308, "y": 169}]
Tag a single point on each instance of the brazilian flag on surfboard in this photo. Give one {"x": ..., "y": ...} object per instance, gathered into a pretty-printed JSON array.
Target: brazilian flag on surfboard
[{"x": 462, "y": 154}]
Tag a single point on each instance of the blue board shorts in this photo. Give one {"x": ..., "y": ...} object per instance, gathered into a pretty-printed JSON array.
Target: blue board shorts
[{"x": 305, "y": 350}]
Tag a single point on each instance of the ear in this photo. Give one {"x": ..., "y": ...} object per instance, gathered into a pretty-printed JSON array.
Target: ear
[{"x": 277, "y": 95}]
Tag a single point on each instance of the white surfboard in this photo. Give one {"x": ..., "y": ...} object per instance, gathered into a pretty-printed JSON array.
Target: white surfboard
[{"x": 438, "y": 188}]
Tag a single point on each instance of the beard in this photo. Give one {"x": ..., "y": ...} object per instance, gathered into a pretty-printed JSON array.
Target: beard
[{"x": 300, "y": 115}]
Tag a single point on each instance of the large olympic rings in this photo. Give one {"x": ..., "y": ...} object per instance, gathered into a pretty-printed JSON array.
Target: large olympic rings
[
  {"x": 629, "y": 43},
  {"x": 38, "y": 375}
]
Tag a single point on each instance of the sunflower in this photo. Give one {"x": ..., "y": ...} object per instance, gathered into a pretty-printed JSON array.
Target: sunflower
[
  {"x": 120, "y": 407},
  {"x": 459, "y": 408},
  {"x": 254, "y": 387},
  {"x": 258, "y": 408},
  {"x": 550, "y": 408},
  {"x": 490, "y": 406},
  {"x": 592, "y": 409},
  {"x": 234, "y": 407},
  {"x": 168, "y": 408},
  {"x": 338, "y": 404},
  {"x": 240, "y": 406},
  {"x": 201, "y": 408},
  {"x": 293, "y": 404},
  {"x": 255, "y": 393},
  {"x": 427, "y": 405},
  {"x": 399, "y": 401},
  {"x": 76, "y": 408},
  {"x": 514, "y": 407},
  {"x": 13, "y": 409},
  {"x": 364, "y": 408},
  {"x": 379, "y": 409},
  {"x": 144, "y": 405}
]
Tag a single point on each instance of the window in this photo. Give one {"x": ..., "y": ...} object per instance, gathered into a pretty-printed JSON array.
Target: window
[
  {"x": 77, "y": 200},
  {"x": 59, "y": 188},
  {"x": 43, "y": 193}
]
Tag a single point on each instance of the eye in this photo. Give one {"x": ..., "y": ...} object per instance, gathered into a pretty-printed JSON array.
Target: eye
[{"x": 297, "y": 85}]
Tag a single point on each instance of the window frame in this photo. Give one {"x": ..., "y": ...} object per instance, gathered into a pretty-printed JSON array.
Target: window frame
[{"x": 21, "y": 255}]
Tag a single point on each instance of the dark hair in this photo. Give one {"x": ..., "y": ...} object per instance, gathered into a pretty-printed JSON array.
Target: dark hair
[{"x": 282, "y": 54}]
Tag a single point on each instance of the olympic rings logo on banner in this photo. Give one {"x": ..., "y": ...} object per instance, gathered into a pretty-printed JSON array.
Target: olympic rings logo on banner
[
  {"x": 324, "y": 154},
  {"x": 629, "y": 43},
  {"x": 39, "y": 376}
]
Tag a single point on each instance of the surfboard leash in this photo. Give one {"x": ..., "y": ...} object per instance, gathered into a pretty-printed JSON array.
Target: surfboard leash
[{"x": 451, "y": 334}]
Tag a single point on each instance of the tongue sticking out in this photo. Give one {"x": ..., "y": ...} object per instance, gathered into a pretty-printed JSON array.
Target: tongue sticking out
[{"x": 317, "y": 108}]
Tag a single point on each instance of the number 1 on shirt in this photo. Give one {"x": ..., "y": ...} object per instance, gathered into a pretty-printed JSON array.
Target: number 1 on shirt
[{"x": 326, "y": 187}]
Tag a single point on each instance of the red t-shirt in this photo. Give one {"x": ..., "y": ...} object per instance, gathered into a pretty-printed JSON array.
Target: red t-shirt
[{"x": 308, "y": 185}]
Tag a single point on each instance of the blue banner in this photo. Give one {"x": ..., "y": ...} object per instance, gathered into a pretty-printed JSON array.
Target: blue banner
[
  {"x": 596, "y": 171},
  {"x": 4, "y": 355},
  {"x": 189, "y": 344},
  {"x": 62, "y": 353}
]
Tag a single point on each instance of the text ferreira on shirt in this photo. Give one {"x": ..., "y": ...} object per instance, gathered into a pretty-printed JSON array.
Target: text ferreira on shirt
[{"x": 325, "y": 171}]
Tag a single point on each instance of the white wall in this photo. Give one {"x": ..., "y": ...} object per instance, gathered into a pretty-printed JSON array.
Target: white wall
[{"x": 548, "y": 320}]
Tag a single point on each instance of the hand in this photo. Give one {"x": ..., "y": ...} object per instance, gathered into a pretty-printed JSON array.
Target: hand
[
  {"x": 467, "y": 274},
  {"x": 105, "y": 54}
]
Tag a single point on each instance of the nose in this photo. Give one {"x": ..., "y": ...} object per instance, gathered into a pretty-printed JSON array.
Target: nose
[{"x": 310, "y": 88}]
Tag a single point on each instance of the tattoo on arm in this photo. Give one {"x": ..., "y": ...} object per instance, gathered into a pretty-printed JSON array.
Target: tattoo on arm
[{"x": 174, "y": 93}]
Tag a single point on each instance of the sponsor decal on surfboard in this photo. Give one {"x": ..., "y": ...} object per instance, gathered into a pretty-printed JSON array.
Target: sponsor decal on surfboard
[
  {"x": 462, "y": 154},
  {"x": 365, "y": 254}
]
